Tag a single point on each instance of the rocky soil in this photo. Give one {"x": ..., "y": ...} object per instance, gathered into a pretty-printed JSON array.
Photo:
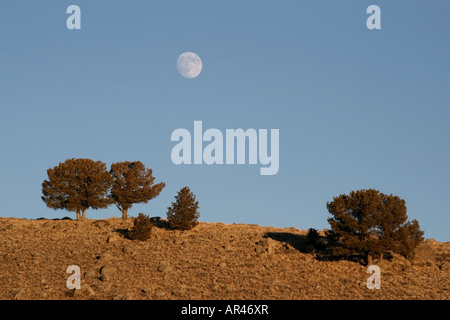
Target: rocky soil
[{"x": 212, "y": 261}]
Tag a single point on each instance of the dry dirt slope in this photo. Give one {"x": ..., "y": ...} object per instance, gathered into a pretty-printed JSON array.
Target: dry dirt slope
[{"x": 212, "y": 261}]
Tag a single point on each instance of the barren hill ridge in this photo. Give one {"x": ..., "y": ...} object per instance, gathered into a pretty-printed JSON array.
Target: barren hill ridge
[{"x": 212, "y": 261}]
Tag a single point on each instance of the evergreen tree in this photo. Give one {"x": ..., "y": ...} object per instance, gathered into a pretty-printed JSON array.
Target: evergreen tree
[
  {"x": 142, "y": 228},
  {"x": 76, "y": 185},
  {"x": 132, "y": 183},
  {"x": 183, "y": 214},
  {"x": 370, "y": 223}
]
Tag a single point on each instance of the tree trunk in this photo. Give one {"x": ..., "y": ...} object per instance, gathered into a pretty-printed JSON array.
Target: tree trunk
[
  {"x": 124, "y": 213},
  {"x": 78, "y": 215},
  {"x": 379, "y": 258},
  {"x": 84, "y": 214},
  {"x": 369, "y": 259}
]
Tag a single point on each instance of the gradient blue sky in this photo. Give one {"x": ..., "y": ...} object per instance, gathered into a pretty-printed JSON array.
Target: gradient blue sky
[{"x": 356, "y": 108}]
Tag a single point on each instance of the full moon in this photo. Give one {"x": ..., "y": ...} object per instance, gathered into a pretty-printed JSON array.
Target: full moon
[{"x": 189, "y": 65}]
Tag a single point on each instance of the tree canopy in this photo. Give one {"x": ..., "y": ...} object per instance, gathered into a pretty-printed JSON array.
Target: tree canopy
[
  {"x": 132, "y": 183},
  {"x": 183, "y": 214},
  {"x": 370, "y": 223},
  {"x": 77, "y": 185}
]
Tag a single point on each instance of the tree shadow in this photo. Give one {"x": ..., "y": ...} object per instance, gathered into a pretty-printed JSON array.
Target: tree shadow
[
  {"x": 295, "y": 240},
  {"x": 160, "y": 223},
  {"x": 321, "y": 246},
  {"x": 124, "y": 233},
  {"x": 55, "y": 219}
]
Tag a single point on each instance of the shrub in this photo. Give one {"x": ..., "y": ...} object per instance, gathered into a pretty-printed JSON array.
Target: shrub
[
  {"x": 142, "y": 228},
  {"x": 370, "y": 223},
  {"x": 312, "y": 236},
  {"x": 183, "y": 214}
]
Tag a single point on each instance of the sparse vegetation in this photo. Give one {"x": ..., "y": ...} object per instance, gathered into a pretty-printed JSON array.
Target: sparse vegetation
[
  {"x": 142, "y": 228},
  {"x": 214, "y": 261},
  {"x": 369, "y": 223},
  {"x": 365, "y": 223},
  {"x": 183, "y": 214}
]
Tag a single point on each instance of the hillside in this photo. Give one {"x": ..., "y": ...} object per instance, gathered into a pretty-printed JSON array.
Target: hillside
[{"x": 212, "y": 261}]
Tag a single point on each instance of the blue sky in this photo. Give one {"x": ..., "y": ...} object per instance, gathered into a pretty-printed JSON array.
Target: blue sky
[{"x": 356, "y": 108}]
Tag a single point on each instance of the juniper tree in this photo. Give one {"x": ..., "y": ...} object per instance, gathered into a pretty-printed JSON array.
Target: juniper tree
[
  {"x": 132, "y": 183},
  {"x": 370, "y": 223},
  {"x": 183, "y": 214},
  {"x": 77, "y": 185},
  {"x": 142, "y": 228}
]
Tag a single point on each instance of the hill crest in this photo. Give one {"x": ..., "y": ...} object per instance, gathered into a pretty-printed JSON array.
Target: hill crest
[{"x": 212, "y": 261}]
